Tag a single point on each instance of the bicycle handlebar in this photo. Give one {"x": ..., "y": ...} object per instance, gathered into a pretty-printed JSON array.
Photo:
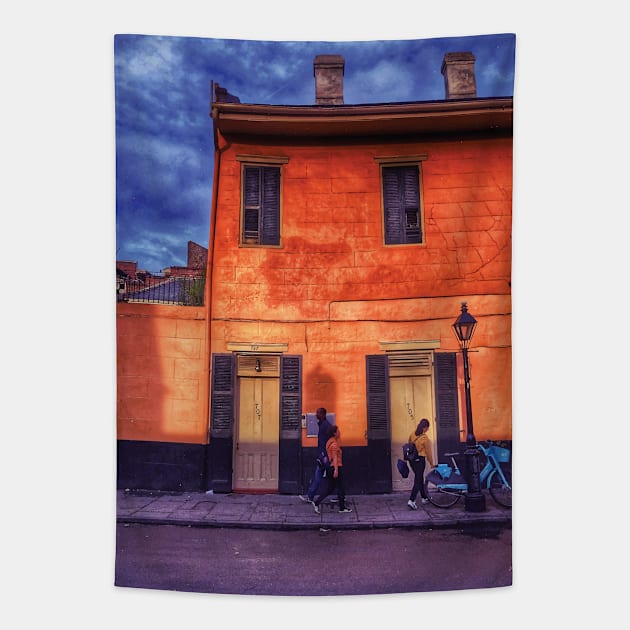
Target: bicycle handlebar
[{"x": 479, "y": 446}]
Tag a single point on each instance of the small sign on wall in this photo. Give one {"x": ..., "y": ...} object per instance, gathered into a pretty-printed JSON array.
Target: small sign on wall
[{"x": 312, "y": 428}]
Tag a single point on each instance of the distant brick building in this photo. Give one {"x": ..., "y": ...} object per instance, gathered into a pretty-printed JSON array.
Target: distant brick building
[
  {"x": 197, "y": 256},
  {"x": 130, "y": 279},
  {"x": 196, "y": 262}
]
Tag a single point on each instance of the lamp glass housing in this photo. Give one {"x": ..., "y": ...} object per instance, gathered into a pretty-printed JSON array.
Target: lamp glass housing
[{"x": 464, "y": 326}]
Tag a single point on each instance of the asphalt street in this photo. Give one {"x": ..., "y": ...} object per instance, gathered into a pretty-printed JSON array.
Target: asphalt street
[{"x": 311, "y": 562}]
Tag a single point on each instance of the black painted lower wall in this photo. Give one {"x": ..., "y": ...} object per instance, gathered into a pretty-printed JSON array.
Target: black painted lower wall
[
  {"x": 363, "y": 474},
  {"x": 174, "y": 467},
  {"x": 219, "y": 465},
  {"x": 163, "y": 466}
]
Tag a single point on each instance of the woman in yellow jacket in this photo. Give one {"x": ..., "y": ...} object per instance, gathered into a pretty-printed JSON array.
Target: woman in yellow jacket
[{"x": 423, "y": 444}]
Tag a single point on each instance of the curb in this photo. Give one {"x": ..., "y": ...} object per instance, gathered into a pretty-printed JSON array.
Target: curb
[{"x": 455, "y": 523}]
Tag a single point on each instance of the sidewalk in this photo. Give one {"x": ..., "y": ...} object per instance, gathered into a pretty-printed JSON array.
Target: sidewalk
[{"x": 287, "y": 512}]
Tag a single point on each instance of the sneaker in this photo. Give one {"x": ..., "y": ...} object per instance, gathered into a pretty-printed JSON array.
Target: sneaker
[
  {"x": 412, "y": 505},
  {"x": 345, "y": 510},
  {"x": 315, "y": 507},
  {"x": 305, "y": 499},
  {"x": 425, "y": 501}
]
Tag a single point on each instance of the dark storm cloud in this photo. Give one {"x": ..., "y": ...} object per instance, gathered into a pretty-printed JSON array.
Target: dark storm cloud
[
  {"x": 163, "y": 150},
  {"x": 164, "y": 147}
]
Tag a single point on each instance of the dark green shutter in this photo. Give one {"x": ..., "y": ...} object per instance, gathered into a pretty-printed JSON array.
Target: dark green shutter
[
  {"x": 290, "y": 444},
  {"x": 411, "y": 195},
  {"x": 393, "y": 207},
  {"x": 271, "y": 206},
  {"x": 291, "y": 396},
  {"x": 379, "y": 446},
  {"x": 448, "y": 436},
  {"x": 222, "y": 406},
  {"x": 251, "y": 204},
  {"x": 219, "y": 461},
  {"x": 377, "y": 375}
]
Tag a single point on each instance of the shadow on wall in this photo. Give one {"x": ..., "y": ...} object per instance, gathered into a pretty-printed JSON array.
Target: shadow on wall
[
  {"x": 320, "y": 390},
  {"x": 159, "y": 400}
]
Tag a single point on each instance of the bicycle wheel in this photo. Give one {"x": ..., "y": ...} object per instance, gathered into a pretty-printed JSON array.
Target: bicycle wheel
[
  {"x": 501, "y": 493},
  {"x": 439, "y": 497}
]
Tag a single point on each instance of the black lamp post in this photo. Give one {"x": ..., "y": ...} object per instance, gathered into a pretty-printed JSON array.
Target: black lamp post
[{"x": 475, "y": 501}]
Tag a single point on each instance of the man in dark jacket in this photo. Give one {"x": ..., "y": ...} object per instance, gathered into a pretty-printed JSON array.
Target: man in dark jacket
[{"x": 322, "y": 457}]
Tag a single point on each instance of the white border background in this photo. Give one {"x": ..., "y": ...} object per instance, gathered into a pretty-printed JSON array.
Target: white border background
[{"x": 58, "y": 241}]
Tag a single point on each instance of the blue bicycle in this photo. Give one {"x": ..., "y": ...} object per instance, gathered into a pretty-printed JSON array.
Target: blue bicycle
[{"x": 445, "y": 484}]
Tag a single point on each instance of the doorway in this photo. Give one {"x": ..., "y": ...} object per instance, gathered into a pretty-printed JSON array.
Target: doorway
[
  {"x": 258, "y": 427},
  {"x": 411, "y": 399}
]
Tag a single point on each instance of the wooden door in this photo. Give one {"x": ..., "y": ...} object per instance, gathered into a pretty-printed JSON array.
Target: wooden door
[
  {"x": 256, "y": 444},
  {"x": 411, "y": 399}
]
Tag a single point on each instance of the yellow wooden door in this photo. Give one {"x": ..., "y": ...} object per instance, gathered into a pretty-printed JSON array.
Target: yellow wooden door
[
  {"x": 256, "y": 444},
  {"x": 411, "y": 399}
]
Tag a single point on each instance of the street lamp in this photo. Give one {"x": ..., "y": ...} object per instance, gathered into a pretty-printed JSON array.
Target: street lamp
[{"x": 475, "y": 501}]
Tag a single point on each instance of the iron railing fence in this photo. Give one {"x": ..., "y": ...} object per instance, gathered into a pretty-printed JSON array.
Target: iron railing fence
[{"x": 161, "y": 289}]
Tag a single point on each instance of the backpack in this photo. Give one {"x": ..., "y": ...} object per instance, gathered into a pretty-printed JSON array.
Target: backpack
[
  {"x": 410, "y": 452},
  {"x": 403, "y": 468}
]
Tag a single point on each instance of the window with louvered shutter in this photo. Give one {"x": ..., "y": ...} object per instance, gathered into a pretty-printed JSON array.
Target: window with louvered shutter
[
  {"x": 261, "y": 205},
  {"x": 402, "y": 214}
]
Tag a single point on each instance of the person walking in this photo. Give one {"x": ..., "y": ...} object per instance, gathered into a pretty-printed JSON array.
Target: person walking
[
  {"x": 335, "y": 478},
  {"x": 321, "y": 460},
  {"x": 423, "y": 446}
]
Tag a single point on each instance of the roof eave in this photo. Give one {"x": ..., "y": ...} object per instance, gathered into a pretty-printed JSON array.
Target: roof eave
[{"x": 459, "y": 116}]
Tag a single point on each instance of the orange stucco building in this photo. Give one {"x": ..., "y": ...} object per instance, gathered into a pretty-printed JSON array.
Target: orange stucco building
[{"x": 344, "y": 239}]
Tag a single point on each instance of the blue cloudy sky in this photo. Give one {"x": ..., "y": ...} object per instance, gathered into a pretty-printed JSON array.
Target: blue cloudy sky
[{"x": 164, "y": 149}]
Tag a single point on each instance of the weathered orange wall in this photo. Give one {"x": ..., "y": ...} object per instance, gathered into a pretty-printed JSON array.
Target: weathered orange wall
[
  {"x": 162, "y": 358},
  {"x": 333, "y": 290}
]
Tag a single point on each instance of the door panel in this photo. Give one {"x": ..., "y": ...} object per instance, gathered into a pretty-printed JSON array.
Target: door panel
[
  {"x": 411, "y": 399},
  {"x": 256, "y": 445}
]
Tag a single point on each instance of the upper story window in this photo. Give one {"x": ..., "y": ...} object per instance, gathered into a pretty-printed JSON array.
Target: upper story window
[
  {"x": 260, "y": 214},
  {"x": 402, "y": 204}
]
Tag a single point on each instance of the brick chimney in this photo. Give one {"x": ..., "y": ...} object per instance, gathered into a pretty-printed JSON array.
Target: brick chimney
[
  {"x": 458, "y": 69},
  {"x": 328, "y": 71}
]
